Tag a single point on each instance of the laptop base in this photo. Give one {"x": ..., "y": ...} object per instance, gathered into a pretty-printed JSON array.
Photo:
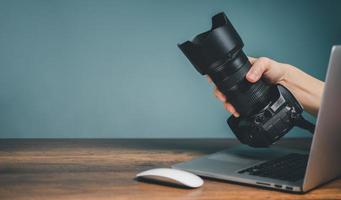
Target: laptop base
[{"x": 226, "y": 164}]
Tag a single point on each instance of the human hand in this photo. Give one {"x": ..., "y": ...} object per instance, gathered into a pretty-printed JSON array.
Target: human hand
[{"x": 272, "y": 71}]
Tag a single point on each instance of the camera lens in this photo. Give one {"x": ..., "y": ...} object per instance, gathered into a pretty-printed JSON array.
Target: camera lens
[{"x": 218, "y": 53}]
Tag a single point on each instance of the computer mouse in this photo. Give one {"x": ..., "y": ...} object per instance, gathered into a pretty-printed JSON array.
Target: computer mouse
[{"x": 173, "y": 176}]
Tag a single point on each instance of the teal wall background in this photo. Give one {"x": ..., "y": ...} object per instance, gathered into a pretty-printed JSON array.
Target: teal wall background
[{"x": 106, "y": 68}]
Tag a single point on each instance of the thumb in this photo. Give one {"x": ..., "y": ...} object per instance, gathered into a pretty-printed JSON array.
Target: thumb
[{"x": 259, "y": 67}]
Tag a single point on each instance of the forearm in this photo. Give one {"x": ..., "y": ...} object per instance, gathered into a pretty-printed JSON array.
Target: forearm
[{"x": 307, "y": 89}]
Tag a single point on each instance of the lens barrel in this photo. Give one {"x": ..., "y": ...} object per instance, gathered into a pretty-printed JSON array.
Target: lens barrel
[{"x": 218, "y": 53}]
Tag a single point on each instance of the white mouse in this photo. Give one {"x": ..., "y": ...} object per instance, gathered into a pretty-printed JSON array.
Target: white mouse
[{"x": 172, "y": 175}]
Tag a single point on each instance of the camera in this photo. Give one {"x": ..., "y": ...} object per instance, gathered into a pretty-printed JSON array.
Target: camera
[{"x": 267, "y": 111}]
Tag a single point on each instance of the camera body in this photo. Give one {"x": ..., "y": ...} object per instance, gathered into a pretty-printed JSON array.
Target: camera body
[
  {"x": 267, "y": 111},
  {"x": 269, "y": 124}
]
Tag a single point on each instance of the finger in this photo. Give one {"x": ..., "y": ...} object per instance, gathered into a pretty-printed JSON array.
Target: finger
[
  {"x": 219, "y": 95},
  {"x": 260, "y": 66},
  {"x": 252, "y": 59},
  {"x": 229, "y": 107}
]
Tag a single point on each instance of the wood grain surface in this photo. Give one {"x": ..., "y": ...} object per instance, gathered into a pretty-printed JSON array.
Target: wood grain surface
[{"x": 105, "y": 168}]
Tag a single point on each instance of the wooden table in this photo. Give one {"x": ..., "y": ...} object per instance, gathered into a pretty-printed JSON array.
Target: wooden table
[{"x": 105, "y": 169}]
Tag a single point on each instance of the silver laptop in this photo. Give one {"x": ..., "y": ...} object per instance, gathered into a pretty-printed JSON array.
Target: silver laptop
[{"x": 304, "y": 170}]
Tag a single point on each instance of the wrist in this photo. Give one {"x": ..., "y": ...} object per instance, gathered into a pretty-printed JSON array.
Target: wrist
[
  {"x": 306, "y": 89},
  {"x": 288, "y": 77}
]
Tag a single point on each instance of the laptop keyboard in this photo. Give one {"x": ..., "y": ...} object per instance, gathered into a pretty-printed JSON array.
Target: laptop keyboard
[{"x": 288, "y": 168}]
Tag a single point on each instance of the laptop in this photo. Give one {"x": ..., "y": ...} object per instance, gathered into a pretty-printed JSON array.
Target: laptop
[{"x": 282, "y": 169}]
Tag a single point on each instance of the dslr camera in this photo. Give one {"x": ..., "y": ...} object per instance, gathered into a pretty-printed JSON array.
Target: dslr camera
[{"x": 267, "y": 111}]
